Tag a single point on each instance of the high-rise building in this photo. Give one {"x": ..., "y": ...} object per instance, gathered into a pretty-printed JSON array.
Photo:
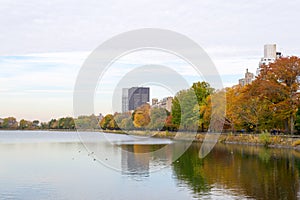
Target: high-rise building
[
  {"x": 270, "y": 51},
  {"x": 137, "y": 96},
  {"x": 125, "y": 100},
  {"x": 270, "y": 55}
]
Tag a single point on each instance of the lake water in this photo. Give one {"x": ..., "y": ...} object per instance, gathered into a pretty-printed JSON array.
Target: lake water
[{"x": 56, "y": 165}]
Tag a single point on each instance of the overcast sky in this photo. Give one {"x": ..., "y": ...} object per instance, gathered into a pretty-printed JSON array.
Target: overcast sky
[{"x": 44, "y": 43}]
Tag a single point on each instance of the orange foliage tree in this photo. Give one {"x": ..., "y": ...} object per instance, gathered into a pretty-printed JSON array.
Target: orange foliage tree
[{"x": 279, "y": 84}]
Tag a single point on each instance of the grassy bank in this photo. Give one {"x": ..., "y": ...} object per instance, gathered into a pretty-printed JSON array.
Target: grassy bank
[{"x": 263, "y": 139}]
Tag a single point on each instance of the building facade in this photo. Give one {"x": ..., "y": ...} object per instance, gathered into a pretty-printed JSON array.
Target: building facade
[
  {"x": 249, "y": 77},
  {"x": 270, "y": 56},
  {"x": 125, "y": 100},
  {"x": 154, "y": 101},
  {"x": 165, "y": 103},
  {"x": 138, "y": 96}
]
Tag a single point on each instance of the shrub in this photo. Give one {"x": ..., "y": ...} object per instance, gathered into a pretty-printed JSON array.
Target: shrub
[{"x": 265, "y": 138}]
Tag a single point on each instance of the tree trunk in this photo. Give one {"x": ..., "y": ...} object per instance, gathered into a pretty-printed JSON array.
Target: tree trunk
[
  {"x": 292, "y": 125},
  {"x": 286, "y": 126}
]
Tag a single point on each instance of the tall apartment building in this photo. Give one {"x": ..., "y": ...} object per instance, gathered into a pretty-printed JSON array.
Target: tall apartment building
[
  {"x": 125, "y": 100},
  {"x": 270, "y": 55},
  {"x": 247, "y": 79},
  {"x": 134, "y": 97}
]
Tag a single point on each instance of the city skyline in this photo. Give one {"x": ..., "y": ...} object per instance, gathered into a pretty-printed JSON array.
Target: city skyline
[
  {"x": 59, "y": 82},
  {"x": 43, "y": 45}
]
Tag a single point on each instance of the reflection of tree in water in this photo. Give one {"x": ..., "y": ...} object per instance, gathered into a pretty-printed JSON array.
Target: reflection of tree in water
[
  {"x": 188, "y": 168},
  {"x": 264, "y": 155},
  {"x": 248, "y": 171}
]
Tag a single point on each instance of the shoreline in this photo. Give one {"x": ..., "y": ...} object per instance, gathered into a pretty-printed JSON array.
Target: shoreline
[
  {"x": 266, "y": 140},
  {"x": 269, "y": 141}
]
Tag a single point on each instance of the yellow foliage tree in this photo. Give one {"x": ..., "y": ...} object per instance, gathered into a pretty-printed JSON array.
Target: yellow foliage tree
[{"x": 141, "y": 116}]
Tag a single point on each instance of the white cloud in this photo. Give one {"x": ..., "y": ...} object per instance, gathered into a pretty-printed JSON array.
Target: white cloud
[
  {"x": 39, "y": 26},
  {"x": 46, "y": 42}
]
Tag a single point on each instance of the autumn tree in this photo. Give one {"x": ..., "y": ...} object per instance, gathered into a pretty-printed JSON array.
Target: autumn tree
[
  {"x": 169, "y": 124},
  {"x": 53, "y": 124},
  {"x": 214, "y": 108},
  {"x": 10, "y": 123},
  {"x": 106, "y": 123},
  {"x": 232, "y": 121},
  {"x": 280, "y": 83},
  {"x": 251, "y": 111},
  {"x": 141, "y": 116}
]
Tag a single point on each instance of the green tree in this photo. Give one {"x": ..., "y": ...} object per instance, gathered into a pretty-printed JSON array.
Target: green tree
[
  {"x": 10, "y": 123},
  {"x": 66, "y": 123},
  {"x": 186, "y": 106},
  {"x": 297, "y": 121},
  {"x": 24, "y": 124},
  {"x": 36, "y": 123},
  {"x": 44, "y": 125},
  {"x": 87, "y": 122},
  {"x": 158, "y": 118},
  {"x": 213, "y": 113},
  {"x": 176, "y": 109},
  {"x": 127, "y": 124},
  {"x": 124, "y": 121}
]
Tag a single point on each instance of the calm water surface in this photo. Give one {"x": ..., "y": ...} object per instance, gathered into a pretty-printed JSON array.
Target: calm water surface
[{"x": 56, "y": 165}]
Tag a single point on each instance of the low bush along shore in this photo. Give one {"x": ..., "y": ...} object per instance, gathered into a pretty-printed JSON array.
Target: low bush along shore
[{"x": 263, "y": 139}]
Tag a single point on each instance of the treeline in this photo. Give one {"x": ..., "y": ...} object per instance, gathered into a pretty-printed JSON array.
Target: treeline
[
  {"x": 66, "y": 123},
  {"x": 270, "y": 103},
  {"x": 184, "y": 116},
  {"x": 143, "y": 118}
]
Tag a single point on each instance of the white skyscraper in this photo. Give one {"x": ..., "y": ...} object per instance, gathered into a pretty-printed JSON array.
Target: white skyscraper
[
  {"x": 270, "y": 51},
  {"x": 270, "y": 55}
]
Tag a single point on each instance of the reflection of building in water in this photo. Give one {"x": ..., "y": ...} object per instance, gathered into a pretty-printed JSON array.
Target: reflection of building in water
[{"x": 134, "y": 160}]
